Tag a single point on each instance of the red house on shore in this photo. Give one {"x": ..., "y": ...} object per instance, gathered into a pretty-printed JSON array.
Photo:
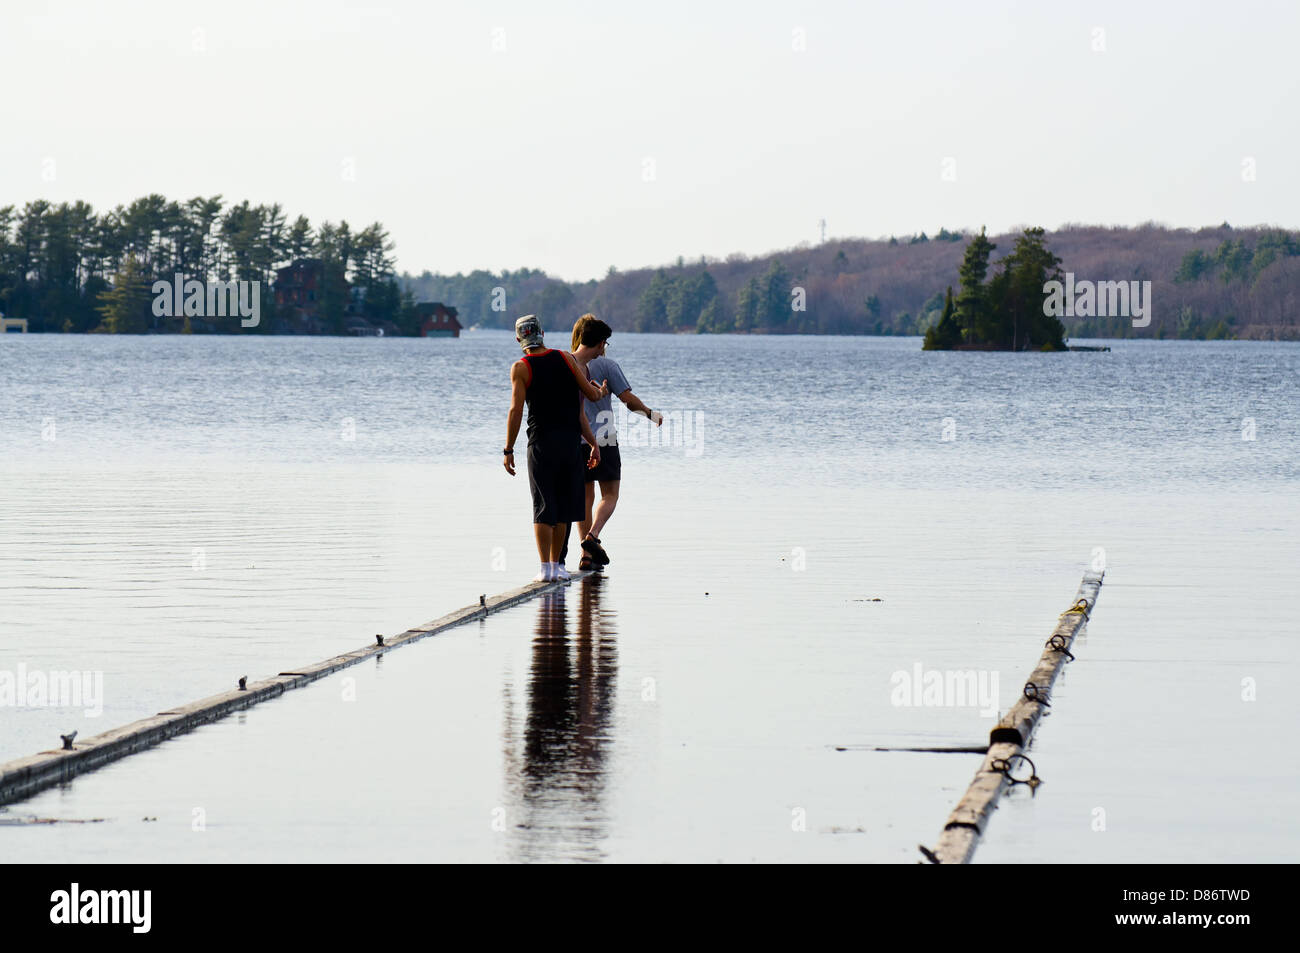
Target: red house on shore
[
  {"x": 437, "y": 320},
  {"x": 297, "y": 285},
  {"x": 298, "y": 293}
]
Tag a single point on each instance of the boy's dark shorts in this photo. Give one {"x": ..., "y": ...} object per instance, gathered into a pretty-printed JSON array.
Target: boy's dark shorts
[
  {"x": 555, "y": 464},
  {"x": 609, "y": 468}
]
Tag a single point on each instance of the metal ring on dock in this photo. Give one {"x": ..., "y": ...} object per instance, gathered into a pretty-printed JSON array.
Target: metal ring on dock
[
  {"x": 1080, "y": 606},
  {"x": 1003, "y": 767},
  {"x": 1058, "y": 644},
  {"x": 1034, "y": 694}
]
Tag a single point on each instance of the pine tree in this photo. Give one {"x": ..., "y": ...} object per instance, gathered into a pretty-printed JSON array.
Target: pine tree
[
  {"x": 947, "y": 333},
  {"x": 652, "y": 309},
  {"x": 774, "y": 308},
  {"x": 972, "y": 300},
  {"x": 126, "y": 304},
  {"x": 748, "y": 305},
  {"x": 1028, "y": 268},
  {"x": 711, "y": 320}
]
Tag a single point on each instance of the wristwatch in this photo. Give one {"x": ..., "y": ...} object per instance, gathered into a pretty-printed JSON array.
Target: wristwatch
[{"x": 508, "y": 451}]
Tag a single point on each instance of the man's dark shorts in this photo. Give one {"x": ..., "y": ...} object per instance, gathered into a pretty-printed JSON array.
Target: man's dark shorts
[
  {"x": 609, "y": 468},
  {"x": 555, "y": 463}
]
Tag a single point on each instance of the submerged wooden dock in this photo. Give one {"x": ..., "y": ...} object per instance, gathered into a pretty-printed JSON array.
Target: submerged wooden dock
[
  {"x": 25, "y": 777},
  {"x": 1005, "y": 761}
]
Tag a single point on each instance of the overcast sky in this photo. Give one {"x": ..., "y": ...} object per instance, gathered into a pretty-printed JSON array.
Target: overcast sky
[{"x": 575, "y": 136}]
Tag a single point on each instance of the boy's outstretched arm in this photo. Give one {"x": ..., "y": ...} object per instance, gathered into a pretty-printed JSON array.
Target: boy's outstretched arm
[{"x": 638, "y": 406}]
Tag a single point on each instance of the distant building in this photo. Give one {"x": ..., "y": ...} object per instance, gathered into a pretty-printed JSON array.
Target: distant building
[
  {"x": 298, "y": 292},
  {"x": 12, "y": 325},
  {"x": 437, "y": 320},
  {"x": 298, "y": 285}
]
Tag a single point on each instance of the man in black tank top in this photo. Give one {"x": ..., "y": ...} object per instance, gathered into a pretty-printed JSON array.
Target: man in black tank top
[{"x": 552, "y": 386}]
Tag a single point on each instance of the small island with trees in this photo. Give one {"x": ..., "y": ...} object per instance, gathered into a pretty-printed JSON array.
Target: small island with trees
[{"x": 1005, "y": 313}]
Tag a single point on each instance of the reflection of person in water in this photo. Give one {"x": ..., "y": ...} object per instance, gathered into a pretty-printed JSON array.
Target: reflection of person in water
[{"x": 560, "y": 782}]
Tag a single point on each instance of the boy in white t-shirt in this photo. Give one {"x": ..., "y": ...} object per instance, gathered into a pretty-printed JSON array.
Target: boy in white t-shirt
[{"x": 590, "y": 339}]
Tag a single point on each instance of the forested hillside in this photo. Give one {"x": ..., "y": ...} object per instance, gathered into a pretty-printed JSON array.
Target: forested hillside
[{"x": 1211, "y": 282}]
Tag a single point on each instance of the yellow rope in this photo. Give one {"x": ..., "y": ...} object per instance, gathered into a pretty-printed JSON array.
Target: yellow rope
[{"x": 1080, "y": 607}]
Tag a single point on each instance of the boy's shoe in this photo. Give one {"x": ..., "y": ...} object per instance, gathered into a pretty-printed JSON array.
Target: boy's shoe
[
  {"x": 561, "y": 574},
  {"x": 545, "y": 575},
  {"x": 591, "y": 546}
]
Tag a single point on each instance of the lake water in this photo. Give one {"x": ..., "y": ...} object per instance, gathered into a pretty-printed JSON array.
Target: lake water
[{"x": 181, "y": 511}]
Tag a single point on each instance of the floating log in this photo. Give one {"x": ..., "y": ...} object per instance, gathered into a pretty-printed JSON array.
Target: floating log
[
  {"x": 1009, "y": 739},
  {"x": 24, "y": 777}
]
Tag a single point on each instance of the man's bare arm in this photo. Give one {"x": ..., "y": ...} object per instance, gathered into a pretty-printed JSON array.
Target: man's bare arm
[
  {"x": 518, "y": 391},
  {"x": 587, "y": 435},
  {"x": 589, "y": 390}
]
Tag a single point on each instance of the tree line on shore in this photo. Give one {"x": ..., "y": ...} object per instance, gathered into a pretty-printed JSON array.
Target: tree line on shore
[{"x": 66, "y": 267}]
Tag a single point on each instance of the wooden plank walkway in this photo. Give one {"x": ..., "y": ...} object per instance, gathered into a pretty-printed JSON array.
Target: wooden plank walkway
[
  {"x": 1008, "y": 741},
  {"x": 24, "y": 777}
]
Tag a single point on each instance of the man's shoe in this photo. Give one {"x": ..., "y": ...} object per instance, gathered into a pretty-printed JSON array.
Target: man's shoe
[
  {"x": 591, "y": 546},
  {"x": 585, "y": 564}
]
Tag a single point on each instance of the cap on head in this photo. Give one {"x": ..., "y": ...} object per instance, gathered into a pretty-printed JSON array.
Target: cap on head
[{"x": 529, "y": 331}]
